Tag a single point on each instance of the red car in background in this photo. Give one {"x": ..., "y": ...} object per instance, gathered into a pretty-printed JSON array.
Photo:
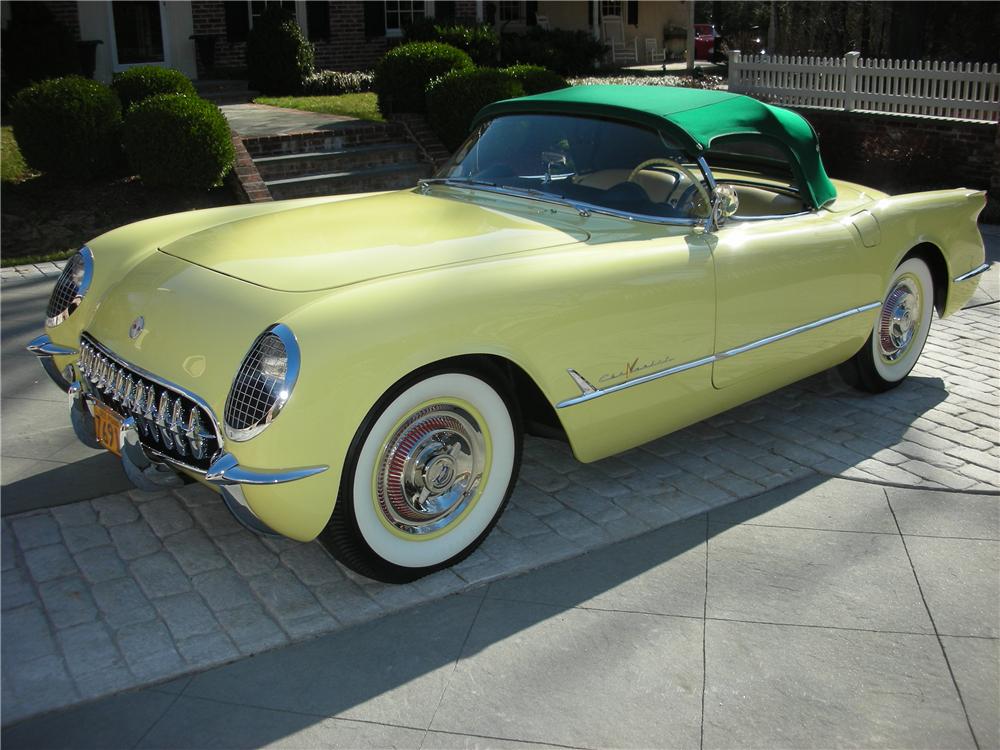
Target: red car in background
[{"x": 704, "y": 41}]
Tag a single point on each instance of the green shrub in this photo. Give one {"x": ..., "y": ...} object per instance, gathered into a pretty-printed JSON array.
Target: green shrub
[
  {"x": 69, "y": 126},
  {"x": 454, "y": 99},
  {"x": 567, "y": 52},
  {"x": 332, "y": 82},
  {"x": 179, "y": 141},
  {"x": 144, "y": 81},
  {"x": 480, "y": 42},
  {"x": 279, "y": 57},
  {"x": 403, "y": 74},
  {"x": 536, "y": 79}
]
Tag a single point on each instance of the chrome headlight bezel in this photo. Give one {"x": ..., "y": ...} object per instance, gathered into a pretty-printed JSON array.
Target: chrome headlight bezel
[
  {"x": 270, "y": 393},
  {"x": 73, "y": 290}
]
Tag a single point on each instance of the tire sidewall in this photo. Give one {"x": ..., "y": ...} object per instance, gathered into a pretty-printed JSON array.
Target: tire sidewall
[
  {"x": 894, "y": 372},
  {"x": 503, "y": 427}
]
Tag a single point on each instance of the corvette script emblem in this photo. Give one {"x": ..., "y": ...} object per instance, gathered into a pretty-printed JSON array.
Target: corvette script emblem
[{"x": 136, "y": 328}]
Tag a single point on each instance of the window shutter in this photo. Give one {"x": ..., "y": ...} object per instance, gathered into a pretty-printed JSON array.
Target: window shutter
[
  {"x": 237, "y": 21},
  {"x": 318, "y": 20},
  {"x": 374, "y": 19},
  {"x": 632, "y": 12},
  {"x": 444, "y": 10},
  {"x": 531, "y": 13}
]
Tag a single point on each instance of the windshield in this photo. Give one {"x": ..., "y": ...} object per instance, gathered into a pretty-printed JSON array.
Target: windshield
[{"x": 604, "y": 164}]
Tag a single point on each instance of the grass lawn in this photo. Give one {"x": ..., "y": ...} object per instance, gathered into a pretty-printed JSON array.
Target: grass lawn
[
  {"x": 362, "y": 106},
  {"x": 12, "y": 166}
]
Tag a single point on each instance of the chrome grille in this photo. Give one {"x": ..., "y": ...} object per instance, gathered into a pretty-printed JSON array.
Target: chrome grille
[
  {"x": 170, "y": 422},
  {"x": 257, "y": 389},
  {"x": 66, "y": 293}
]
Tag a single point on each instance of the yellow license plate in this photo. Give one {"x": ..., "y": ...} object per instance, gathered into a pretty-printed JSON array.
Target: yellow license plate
[{"x": 108, "y": 426}]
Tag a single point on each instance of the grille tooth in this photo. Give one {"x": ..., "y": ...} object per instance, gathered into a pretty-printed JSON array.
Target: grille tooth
[
  {"x": 128, "y": 393},
  {"x": 150, "y": 412},
  {"x": 195, "y": 433},
  {"x": 120, "y": 385},
  {"x": 109, "y": 386},
  {"x": 163, "y": 419}
]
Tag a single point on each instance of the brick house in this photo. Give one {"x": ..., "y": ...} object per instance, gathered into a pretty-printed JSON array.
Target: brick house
[{"x": 347, "y": 34}]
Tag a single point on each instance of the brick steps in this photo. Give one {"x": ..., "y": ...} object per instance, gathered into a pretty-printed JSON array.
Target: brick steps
[
  {"x": 372, "y": 179},
  {"x": 285, "y": 166},
  {"x": 349, "y": 157}
]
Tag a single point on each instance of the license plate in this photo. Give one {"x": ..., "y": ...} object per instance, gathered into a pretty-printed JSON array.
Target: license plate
[{"x": 108, "y": 426}]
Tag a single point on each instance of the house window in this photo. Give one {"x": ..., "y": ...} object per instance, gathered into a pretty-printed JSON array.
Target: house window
[
  {"x": 401, "y": 13},
  {"x": 611, "y": 8},
  {"x": 511, "y": 11},
  {"x": 138, "y": 32},
  {"x": 257, "y": 8}
]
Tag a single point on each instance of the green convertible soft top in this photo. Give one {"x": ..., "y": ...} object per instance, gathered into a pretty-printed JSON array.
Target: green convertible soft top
[{"x": 694, "y": 118}]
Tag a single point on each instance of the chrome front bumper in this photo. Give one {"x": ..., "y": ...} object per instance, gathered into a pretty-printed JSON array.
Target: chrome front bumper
[{"x": 151, "y": 470}]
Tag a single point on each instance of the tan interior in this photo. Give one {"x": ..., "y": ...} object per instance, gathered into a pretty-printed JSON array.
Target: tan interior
[
  {"x": 660, "y": 185},
  {"x": 759, "y": 202},
  {"x": 657, "y": 184}
]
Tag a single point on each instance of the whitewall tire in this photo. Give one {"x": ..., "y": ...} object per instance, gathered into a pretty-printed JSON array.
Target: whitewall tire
[
  {"x": 899, "y": 332},
  {"x": 429, "y": 473}
]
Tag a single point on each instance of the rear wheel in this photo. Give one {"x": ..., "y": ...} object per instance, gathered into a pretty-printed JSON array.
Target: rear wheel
[
  {"x": 899, "y": 333},
  {"x": 427, "y": 477}
]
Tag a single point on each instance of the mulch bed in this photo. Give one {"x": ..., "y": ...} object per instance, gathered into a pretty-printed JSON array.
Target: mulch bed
[{"x": 46, "y": 217}]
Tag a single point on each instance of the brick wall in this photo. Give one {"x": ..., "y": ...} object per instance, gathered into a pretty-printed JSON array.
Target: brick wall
[
  {"x": 209, "y": 17},
  {"x": 899, "y": 154},
  {"x": 348, "y": 49},
  {"x": 66, "y": 13}
]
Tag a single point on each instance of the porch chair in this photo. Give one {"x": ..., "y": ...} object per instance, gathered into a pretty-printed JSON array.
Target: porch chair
[
  {"x": 622, "y": 51},
  {"x": 653, "y": 55}
]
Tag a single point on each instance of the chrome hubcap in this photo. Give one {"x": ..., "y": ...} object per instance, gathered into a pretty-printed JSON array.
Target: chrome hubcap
[
  {"x": 900, "y": 321},
  {"x": 430, "y": 469}
]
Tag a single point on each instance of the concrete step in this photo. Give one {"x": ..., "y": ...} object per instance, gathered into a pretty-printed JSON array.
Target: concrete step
[
  {"x": 337, "y": 138},
  {"x": 352, "y": 159},
  {"x": 387, "y": 177}
]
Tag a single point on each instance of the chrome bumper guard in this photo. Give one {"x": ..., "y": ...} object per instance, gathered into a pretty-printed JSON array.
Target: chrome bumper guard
[{"x": 43, "y": 348}]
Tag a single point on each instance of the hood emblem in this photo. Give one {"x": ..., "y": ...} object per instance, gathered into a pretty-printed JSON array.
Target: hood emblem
[{"x": 136, "y": 328}]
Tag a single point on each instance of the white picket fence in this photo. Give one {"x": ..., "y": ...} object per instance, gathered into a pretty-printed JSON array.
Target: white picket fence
[{"x": 965, "y": 91}]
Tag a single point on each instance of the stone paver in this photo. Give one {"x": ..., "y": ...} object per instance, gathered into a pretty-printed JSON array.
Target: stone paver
[{"x": 177, "y": 585}]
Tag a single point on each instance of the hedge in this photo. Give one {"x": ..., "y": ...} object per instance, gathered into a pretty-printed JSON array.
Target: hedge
[
  {"x": 279, "y": 57},
  {"x": 144, "y": 81},
  {"x": 69, "y": 126},
  {"x": 535, "y": 79},
  {"x": 403, "y": 74},
  {"x": 173, "y": 140}
]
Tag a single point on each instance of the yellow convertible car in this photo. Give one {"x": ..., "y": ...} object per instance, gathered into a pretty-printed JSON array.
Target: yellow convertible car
[{"x": 603, "y": 264}]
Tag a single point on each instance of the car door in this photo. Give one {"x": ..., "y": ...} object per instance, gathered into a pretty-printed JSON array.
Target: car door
[{"x": 788, "y": 288}]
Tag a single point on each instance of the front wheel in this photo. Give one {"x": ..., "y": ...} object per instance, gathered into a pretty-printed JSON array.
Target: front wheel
[
  {"x": 899, "y": 333},
  {"x": 428, "y": 474}
]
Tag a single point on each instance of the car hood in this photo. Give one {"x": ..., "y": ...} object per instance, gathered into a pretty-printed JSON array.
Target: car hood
[{"x": 314, "y": 247}]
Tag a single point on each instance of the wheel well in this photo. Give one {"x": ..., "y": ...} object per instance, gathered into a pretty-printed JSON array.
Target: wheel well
[
  {"x": 537, "y": 413},
  {"x": 931, "y": 254}
]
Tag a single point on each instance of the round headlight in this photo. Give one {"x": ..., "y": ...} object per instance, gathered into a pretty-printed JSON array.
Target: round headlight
[
  {"x": 263, "y": 383},
  {"x": 70, "y": 288}
]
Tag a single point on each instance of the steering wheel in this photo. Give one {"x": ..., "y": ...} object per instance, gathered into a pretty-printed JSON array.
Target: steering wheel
[{"x": 696, "y": 183}]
